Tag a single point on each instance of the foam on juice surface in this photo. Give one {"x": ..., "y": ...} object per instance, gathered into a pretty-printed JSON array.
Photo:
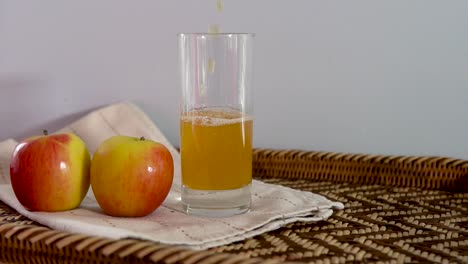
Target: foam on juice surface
[{"x": 215, "y": 116}]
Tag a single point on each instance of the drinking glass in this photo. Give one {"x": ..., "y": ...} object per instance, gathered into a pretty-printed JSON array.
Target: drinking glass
[{"x": 216, "y": 122}]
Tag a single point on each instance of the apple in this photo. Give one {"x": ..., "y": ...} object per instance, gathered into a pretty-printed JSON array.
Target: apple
[
  {"x": 131, "y": 177},
  {"x": 50, "y": 172}
]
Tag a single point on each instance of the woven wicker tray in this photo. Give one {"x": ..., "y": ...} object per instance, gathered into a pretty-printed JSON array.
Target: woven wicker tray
[{"x": 398, "y": 209}]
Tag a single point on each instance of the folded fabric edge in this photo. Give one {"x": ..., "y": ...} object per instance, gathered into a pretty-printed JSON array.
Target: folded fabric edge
[
  {"x": 271, "y": 226},
  {"x": 310, "y": 215},
  {"x": 6, "y": 148}
]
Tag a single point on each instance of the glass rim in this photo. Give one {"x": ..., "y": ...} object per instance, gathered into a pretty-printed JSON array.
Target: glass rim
[{"x": 214, "y": 34}]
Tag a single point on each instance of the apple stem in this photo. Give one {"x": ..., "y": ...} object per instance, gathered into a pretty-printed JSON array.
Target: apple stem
[
  {"x": 45, "y": 132},
  {"x": 142, "y": 138}
]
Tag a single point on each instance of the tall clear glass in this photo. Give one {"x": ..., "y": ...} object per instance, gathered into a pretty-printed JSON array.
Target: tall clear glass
[{"x": 216, "y": 123}]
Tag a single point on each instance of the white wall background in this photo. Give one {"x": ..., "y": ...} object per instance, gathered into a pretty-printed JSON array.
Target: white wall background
[{"x": 386, "y": 77}]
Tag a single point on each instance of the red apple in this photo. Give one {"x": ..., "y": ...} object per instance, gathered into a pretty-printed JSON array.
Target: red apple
[
  {"x": 131, "y": 177},
  {"x": 51, "y": 172}
]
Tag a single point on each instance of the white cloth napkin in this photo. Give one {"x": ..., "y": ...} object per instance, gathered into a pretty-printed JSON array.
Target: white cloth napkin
[{"x": 273, "y": 206}]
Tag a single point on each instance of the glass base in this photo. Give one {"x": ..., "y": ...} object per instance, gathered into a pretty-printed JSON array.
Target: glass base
[{"x": 216, "y": 203}]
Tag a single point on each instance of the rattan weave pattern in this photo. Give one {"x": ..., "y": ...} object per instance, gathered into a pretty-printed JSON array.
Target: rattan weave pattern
[
  {"x": 397, "y": 210},
  {"x": 408, "y": 171},
  {"x": 389, "y": 224}
]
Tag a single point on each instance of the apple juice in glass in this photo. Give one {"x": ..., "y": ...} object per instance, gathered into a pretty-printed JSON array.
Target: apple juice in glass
[{"x": 216, "y": 123}]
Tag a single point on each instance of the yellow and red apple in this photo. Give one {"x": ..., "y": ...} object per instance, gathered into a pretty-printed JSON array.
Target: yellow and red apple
[
  {"x": 51, "y": 172},
  {"x": 131, "y": 177}
]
